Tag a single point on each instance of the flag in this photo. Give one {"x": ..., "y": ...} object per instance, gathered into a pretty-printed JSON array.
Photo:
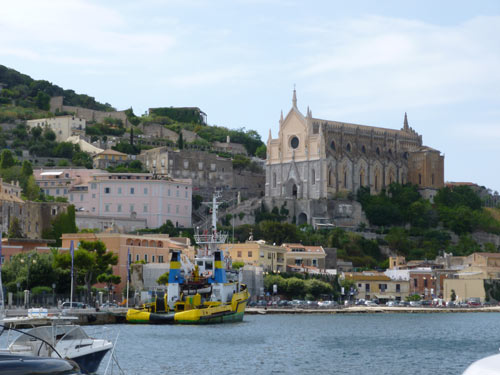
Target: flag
[
  {"x": 72, "y": 252},
  {"x": 128, "y": 264}
]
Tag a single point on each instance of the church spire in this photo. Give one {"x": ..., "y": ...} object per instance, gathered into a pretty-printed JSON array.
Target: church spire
[
  {"x": 294, "y": 99},
  {"x": 405, "y": 127}
]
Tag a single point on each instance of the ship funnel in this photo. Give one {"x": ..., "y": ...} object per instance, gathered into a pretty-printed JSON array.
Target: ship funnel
[
  {"x": 219, "y": 275},
  {"x": 174, "y": 276}
]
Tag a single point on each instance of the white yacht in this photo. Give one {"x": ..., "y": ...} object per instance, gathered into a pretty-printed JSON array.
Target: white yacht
[
  {"x": 57, "y": 337},
  {"x": 486, "y": 366}
]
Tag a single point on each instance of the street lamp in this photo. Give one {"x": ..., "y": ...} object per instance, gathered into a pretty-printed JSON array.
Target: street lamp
[
  {"x": 28, "y": 276},
  {"x": 54, "y": 294}
]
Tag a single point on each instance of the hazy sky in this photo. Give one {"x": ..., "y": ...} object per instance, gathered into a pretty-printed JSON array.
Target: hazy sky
[{"x": 364, "y": 62}]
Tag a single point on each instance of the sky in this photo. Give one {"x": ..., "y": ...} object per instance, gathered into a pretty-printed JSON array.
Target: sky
[{"x": 363, "y": 61}]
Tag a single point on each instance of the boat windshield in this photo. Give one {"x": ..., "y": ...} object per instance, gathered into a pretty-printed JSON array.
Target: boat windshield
[
  {"x": 43, "y": 333},
  {"x": 72, "y": 333}
]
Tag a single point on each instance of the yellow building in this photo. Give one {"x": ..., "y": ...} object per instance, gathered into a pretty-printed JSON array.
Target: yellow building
[
  {"x": 371, "y": 285},
  {"x": 301, "y": 258},
  {"x": 109, "y": 158},
  {"x": 257, "y": 253}
]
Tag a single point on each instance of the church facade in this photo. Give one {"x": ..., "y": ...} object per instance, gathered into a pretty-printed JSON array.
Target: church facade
[{"x": 314, "y": 160}]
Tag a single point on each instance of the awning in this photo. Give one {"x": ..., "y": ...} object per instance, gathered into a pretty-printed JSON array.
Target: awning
[{"x": 54, "y": 173}]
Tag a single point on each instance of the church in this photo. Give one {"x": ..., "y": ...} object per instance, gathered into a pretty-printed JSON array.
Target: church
[{"x": 314, "y": 164}]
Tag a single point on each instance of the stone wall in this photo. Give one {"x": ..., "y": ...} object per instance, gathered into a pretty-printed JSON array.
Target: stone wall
[{"x": 56, "y": 104}]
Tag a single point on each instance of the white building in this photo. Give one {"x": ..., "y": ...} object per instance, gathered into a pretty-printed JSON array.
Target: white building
[{"x": 63, "y": 126}]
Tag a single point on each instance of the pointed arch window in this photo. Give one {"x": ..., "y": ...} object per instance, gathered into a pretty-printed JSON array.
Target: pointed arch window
[
  {"x": 363, "y": 149},
  {"x": 377, "y": 151},
  {"x": 330, "y": 177},
  {"x": 274, "y": 180},
  {"x": 345, "y": 179},
  {"x": 348, "y": 147},
  {"x": 332, "y": 145},
  {"x": 313, "y": 177}
]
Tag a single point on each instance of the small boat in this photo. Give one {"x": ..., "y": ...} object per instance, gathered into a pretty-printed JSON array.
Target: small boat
[
  {"x": 57, "y": 337},
  {"x": 202, "y": 293},
  {"x": 29, "y": 365}
]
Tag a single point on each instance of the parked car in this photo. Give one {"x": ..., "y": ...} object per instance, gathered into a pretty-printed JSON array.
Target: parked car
[
  {"x": 370, "y": 303},
  {"x": 450, "y": 304},
  {"x": 74, "y": 305},
  {"x": 283, "y": 302},
  {"x": 360, "y": 302},
  {"x": 474, "y": 302},
  {"x": 327, "y": 304},
  {"x": 404, "y": 303},
  {"x": 426, "y": 302},
  {"x": 392, "y": 303},
  {"x": 415, "y": 303},
  {"x": 261, "y": 303},
  {"x": 107, "y": 305}
]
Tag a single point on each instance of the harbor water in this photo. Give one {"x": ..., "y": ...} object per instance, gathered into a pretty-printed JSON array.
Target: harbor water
[{"x": 311, "y": 344}]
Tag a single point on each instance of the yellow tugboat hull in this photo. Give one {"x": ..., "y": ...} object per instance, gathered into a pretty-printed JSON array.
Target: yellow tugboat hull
[{"x": 223, "y": 313}]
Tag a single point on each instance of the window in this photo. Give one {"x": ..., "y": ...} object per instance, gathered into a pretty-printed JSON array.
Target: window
[
  {"x": 415, "y": 282},
  {"x": 131, "y": 208},
  {"x": 119, "y": 190},
  {"x": 177, "y": 193},
  {"x": 425, "y": 282},
  {"x": 93, "y": 196},
  {"x": 137, "y": 258},
  {"x": 106, "y": 207},
  {"x": 186, "y": 194},
  {"x": 262, "y": 253},
  {"x": 269, "y": 255},
  {"x": 398, "y": 288},
  {"x": 200, "y": 165},
  {"x": 298, "y": 261},
  {"x": 332, "y": 145},
  {"x": 107, "y": 190},
  {"x": 313, "y": 177},
  {"x": 168, "y": 208},
  {"x": 57, "y": 191},
  {"x": 162, "y": 162},
  {"x": 160, "y": 258},
  {"x": 66, "y": 190},
  {"x": 315, "y": 262},
  {"x": 130, "y": 258},
  {"x": 152, "y": 258},
  {"x": 367, "y": 287},
  {"x": 168, "y": 193},
  {"x": 348, "y": 147},
  {"x": 93, "y": 209},
  {"x": 119, "y": 208},
  {"x": 239, "y": 254},
  {"x": 71, "y": 197},
  {"x": 377, "y": 151},
  {"x": 177, "y": 209},
  {"x": 145, "y": 191},
  {"x": 146, "y": 258},
  {"x": 145, "y": 208},
  {"x": 294, "y": 142},
  {"x": 363, "y": 149},
  {"x": 212, "y": 166},
  {"x": 249, "y": 254},
  {"x": 132, "y": 190},
  {"x": 274, "y": 180},
  {"x": 81, "y": 197}
]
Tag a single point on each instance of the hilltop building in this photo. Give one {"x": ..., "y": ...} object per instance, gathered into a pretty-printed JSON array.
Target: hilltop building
[
  {"x": 314, "y": 159},
  {"x": 109, "y": 158},
  {"x": 63, "y": 126}
]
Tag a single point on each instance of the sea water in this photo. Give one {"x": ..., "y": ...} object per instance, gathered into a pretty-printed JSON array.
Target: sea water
[{"x": 438, "y": 343}]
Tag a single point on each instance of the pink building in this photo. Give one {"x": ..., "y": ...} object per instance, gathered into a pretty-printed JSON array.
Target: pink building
[
  {"x": 137, "y": 195},
  {"x": 61, "y": 182}
]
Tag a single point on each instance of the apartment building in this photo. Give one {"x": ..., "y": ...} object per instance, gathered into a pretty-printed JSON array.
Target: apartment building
[{"x": 62, "y": 126}]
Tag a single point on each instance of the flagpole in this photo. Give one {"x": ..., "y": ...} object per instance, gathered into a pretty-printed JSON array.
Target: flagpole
[
  {"x": 2, "y": 307},
  {"x": 72, "y": 252},
  {"x": 128, "y": 274}
]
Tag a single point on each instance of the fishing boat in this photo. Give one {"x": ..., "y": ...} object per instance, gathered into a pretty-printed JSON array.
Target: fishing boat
[
  {"x": 56, "y": 337},
  {"x": 204, "y": 293}
]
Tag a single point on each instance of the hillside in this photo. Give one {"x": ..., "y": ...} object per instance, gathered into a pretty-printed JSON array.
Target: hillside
[{"x": 22, "y": 97}]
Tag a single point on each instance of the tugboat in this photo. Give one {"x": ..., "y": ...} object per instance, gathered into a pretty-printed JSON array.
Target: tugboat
[{"x": 201, "y": 294}]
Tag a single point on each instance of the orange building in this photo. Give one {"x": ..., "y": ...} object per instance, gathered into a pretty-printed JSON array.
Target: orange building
[{"x": 154, "y": 248}]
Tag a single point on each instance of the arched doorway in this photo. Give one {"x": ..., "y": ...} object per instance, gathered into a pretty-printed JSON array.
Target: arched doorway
[{"x": 302, "y": 219}]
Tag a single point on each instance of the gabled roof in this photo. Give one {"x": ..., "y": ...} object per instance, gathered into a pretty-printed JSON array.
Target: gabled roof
[{"x": 111, "y": 152}]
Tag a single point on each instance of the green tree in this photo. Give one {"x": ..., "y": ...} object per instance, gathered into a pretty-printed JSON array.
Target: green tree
[
  {"x": 49, "y": 134},
  {"x": 6, "y": 159},
  {"x": 453, "y": 295},
  {"x": 180, "y": 141},
  {"x": 261, "y": 151},
  {"x": 36, "y": 132},
  {"x": 109, "y": 279},
  {"x": 15, "y": 230},
  {"x": 397, "y": 238},
  {"x": 295, "y": 287},
  {"x": 63, "y": 223},
  {"x": 42, "y": 101},
  {"x": 317, "y": 288},
  {"x": 32, "y": 190},
  {"x": 27, "y": 169},
  {"x": 163, "y": 279},
  {"x": 91, "y": 259}
]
